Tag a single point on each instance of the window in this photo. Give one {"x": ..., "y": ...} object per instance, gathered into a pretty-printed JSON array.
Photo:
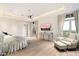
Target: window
[
  {"x": 73, "y": 25},
  {"x": 69, "y": 25},
  {"x": 66, "y": 26},
  {"x": 69, "y": 15}
]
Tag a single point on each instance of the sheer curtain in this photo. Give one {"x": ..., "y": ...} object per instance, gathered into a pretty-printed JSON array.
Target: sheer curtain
[
  {"x": 76, "y": 15},
  {"x": 61, "y": 19}
]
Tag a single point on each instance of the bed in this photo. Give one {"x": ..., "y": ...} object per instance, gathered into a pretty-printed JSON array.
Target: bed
[{"x": 11, "y": 43}]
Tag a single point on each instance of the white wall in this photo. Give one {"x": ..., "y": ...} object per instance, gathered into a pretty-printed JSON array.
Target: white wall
[
  {"x": 12, "y": 26},
  {"x": 51, "y": 19},
  {"x": 18, "y": 28}
]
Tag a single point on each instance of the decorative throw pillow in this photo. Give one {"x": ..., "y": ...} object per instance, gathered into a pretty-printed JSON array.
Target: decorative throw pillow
[
  {"x": 5, "y": 33},
  {"x": 72, "y": 36}
]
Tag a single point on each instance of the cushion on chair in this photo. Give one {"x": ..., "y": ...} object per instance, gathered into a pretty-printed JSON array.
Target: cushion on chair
[
  {"x": 66, "y": 42},
  {"x": 59, "y": 38},
  {"x": 72, "y": 35},
  {"x": 69, "y": 39}
]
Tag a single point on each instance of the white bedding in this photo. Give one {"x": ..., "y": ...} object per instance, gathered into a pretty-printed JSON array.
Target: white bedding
[
  {"x": 12, "y": 43},
  {"x": 8, "y": 38}
]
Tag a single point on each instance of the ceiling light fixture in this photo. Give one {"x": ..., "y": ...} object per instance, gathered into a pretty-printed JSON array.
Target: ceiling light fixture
[{"x": 30, "y": 15}]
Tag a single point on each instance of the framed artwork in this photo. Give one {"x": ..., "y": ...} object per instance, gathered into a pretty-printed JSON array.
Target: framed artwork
[{"x": 45, "y": 26}]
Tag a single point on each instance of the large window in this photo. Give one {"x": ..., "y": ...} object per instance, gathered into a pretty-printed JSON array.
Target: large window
[
  {"x": 73, "y": 28},
  {"x": 66, "y": 26},
  {"x": 69, "y": 25}
]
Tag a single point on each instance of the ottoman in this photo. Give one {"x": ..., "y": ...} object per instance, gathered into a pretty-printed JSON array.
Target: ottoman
[{"x": 60, "y": 45}]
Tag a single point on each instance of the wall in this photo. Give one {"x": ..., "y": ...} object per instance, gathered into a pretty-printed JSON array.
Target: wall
[
  {"x": 16, "y": 27},
  {"x": 51, "y": 19},
  {"x": 12, "y": 26}
]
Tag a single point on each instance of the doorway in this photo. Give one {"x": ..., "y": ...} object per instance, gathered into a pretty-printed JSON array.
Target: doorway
[{"x": 34, "y": 29}]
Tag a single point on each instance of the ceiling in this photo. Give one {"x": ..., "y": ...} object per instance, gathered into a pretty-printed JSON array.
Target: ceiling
[{"x": 37, "y": 9}]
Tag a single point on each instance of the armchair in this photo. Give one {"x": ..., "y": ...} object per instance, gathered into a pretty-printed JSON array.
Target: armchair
[
  {"x": 73, "y": 44},
  {"x": 70, "y": 43}
]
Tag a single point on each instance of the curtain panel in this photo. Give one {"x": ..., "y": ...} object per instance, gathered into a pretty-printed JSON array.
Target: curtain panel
[
  {"x": 61, "y": 19},
  {"x": 76, "y": 15}
]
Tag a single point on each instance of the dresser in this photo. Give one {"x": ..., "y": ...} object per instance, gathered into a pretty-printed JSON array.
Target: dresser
[{"x": 46, "y": 35}]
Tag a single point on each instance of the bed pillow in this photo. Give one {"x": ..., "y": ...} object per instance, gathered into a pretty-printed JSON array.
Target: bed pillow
[
  {"x": 5, "y": 33},
  {"x": 1, "y": 37}
]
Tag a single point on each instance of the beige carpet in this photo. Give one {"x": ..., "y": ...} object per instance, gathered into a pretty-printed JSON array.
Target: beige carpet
[{"x": 42, "y": 48}]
